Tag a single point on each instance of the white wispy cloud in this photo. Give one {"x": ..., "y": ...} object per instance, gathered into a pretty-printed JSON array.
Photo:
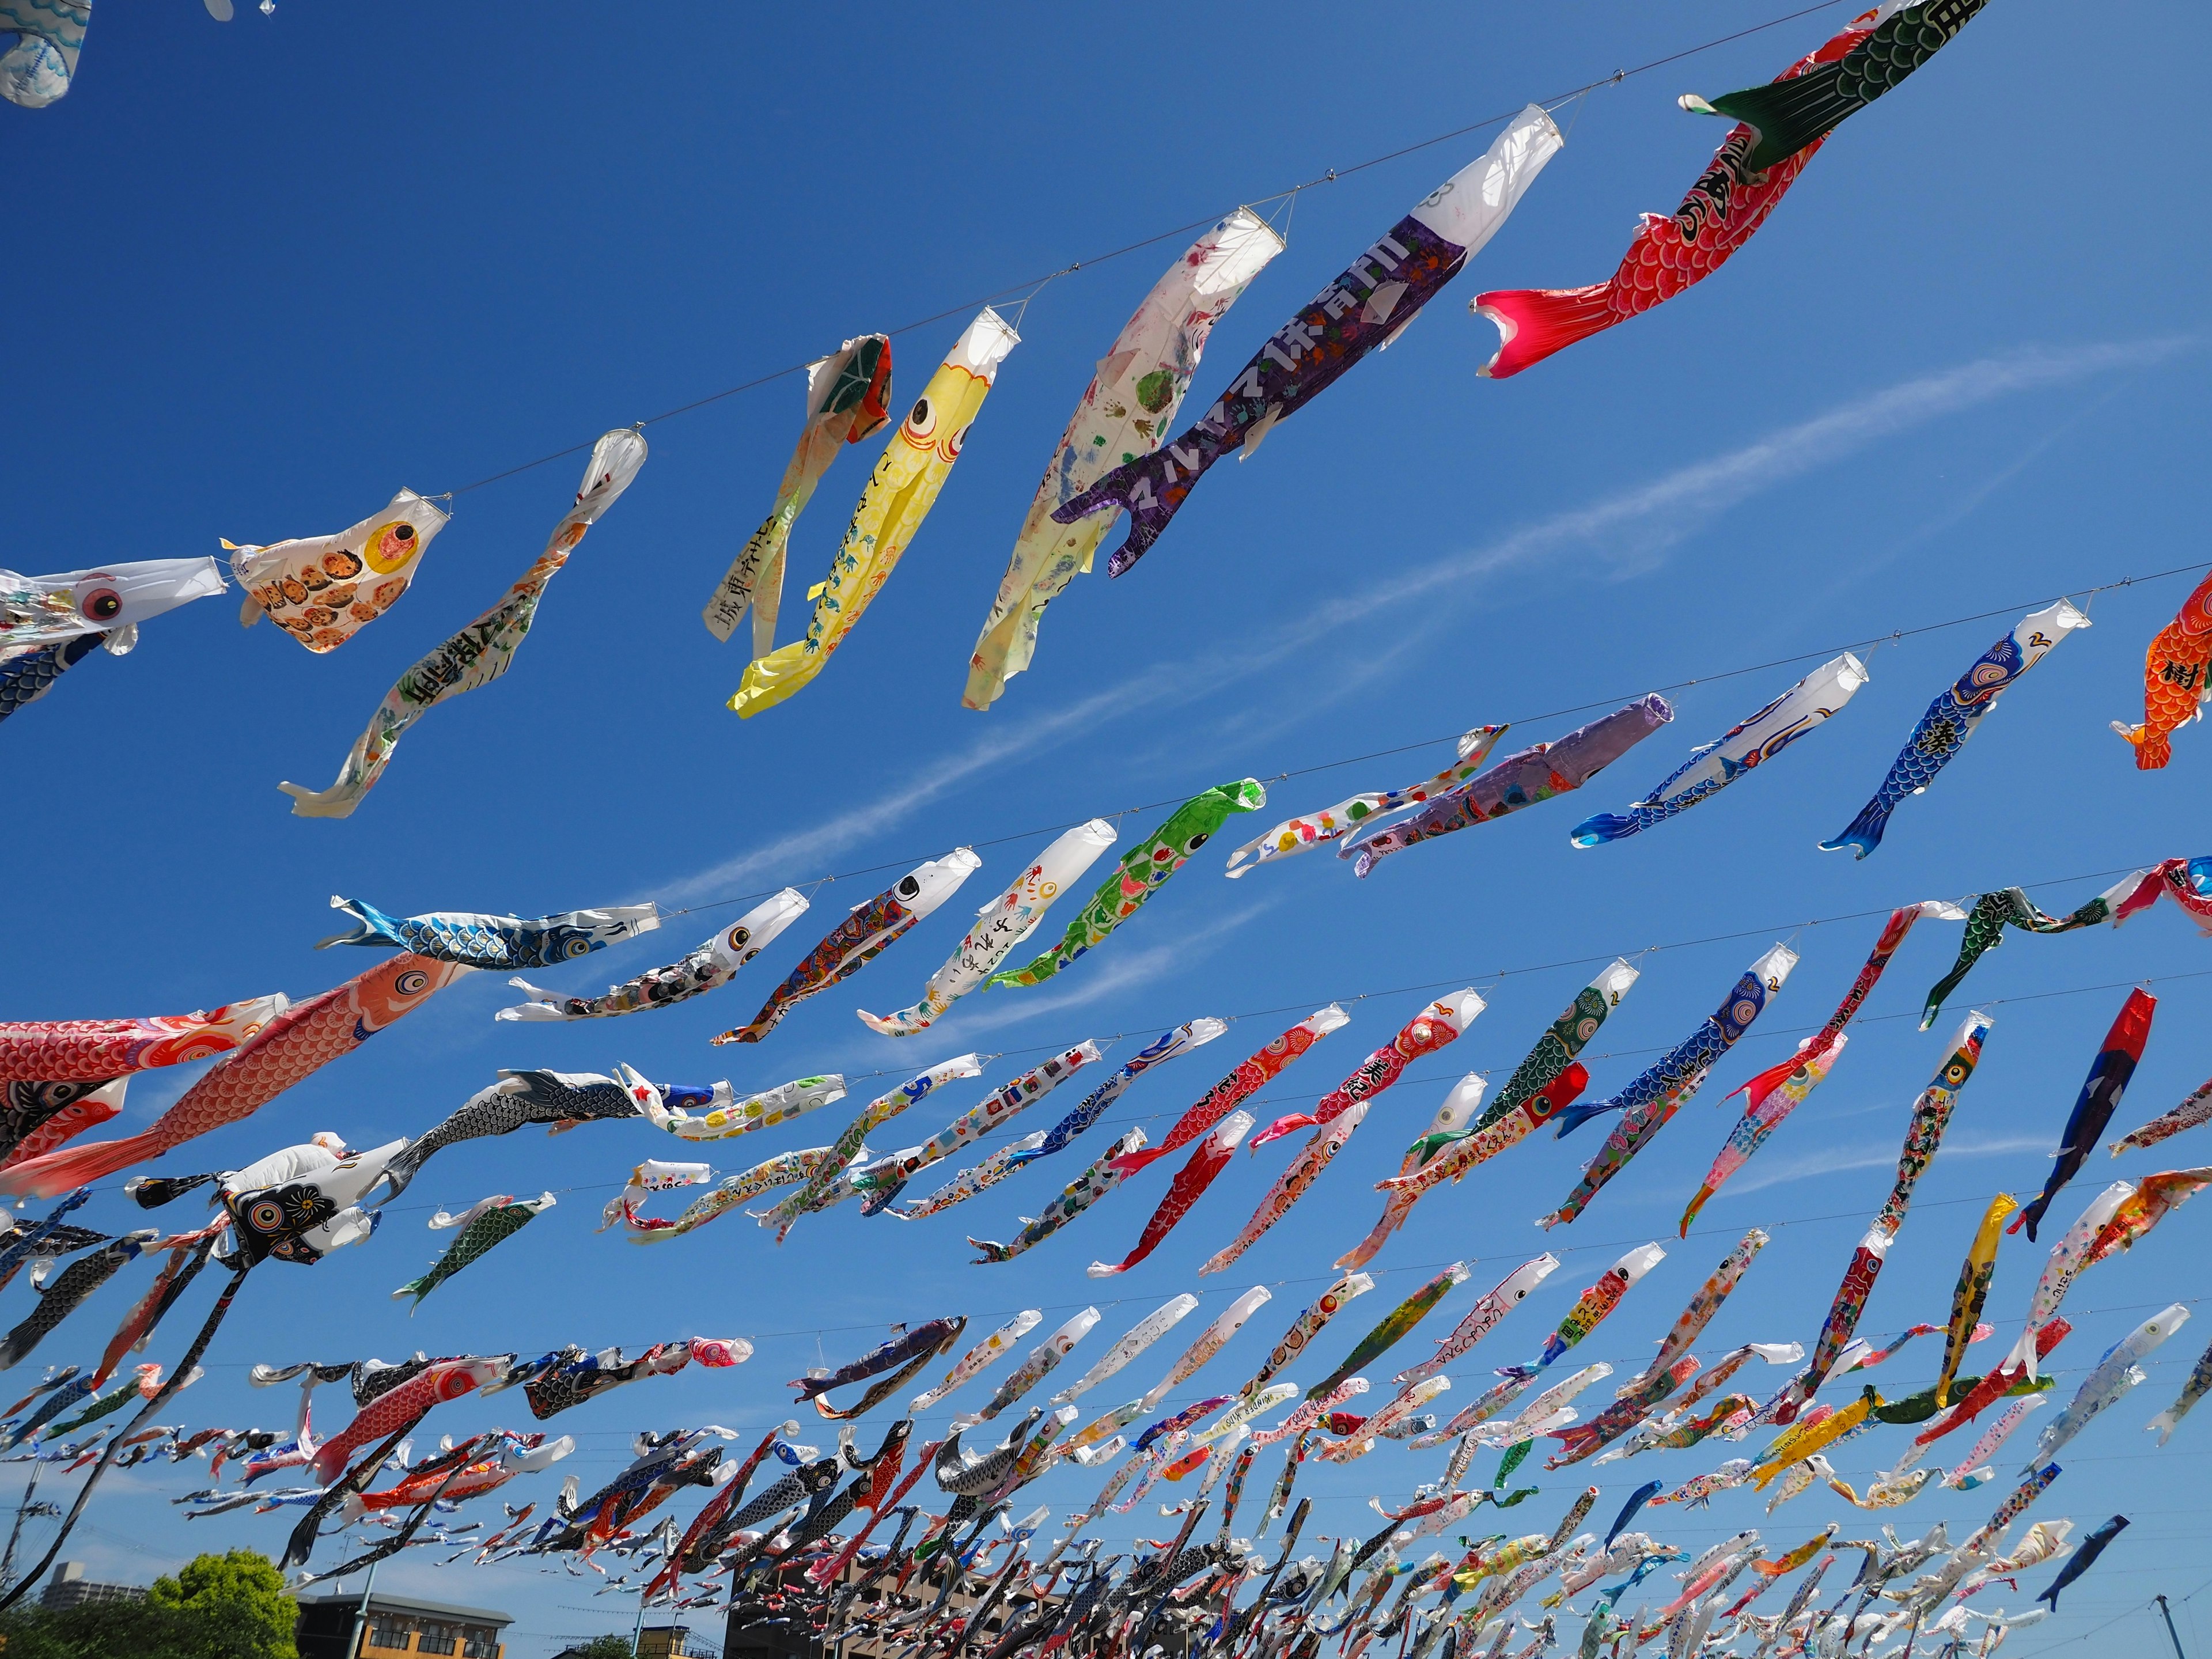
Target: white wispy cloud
[{"x": 1839, "y": 1161}]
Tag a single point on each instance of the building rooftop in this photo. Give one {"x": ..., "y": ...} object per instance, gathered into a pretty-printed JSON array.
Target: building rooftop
[{"x": 381, "y": 1601}]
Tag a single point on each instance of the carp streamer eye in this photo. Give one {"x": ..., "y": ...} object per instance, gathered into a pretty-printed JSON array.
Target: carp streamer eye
[{"x": 101, "y": 604}]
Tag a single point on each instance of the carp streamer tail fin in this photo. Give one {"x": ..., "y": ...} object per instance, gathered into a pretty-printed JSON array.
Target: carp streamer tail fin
[
  {"x": 80, "y": 1166},
  {"x": 1601, "y": 827},
  {"x": 1539, "y": 321},
  {"x": 1863, "y": 834},
  {"x": 2152, "y": 748},
  {"x": 1787, "y": 115}
]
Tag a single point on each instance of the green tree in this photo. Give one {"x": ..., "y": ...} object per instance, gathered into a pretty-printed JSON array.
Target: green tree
[
  {"x": 228, "y": 1606},
  {"x": 601, "y": 1647}
]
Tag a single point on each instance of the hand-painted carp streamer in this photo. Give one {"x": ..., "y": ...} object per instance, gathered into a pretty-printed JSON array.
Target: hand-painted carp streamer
[
  {"x": 2067, "y": 1258},
  {"x": 848, "y": 399},
  {"x": 323, "y": 590},
  {"x": 1140, "y": 1336},
  {"x": 1362, "y": 311},
  {"x": 1128, "y": 407},
  {"x": 488, "y": 1222},
  {"x": 1701, "y": 1308},
  {"x": 1392, "y": 1327},
  {"x": 784, "y": 1169},
  {"x": 29, "y": 672},
  {"x": 303, "y": 1038},
  {"x": 1931, "y": 1115},
  {"x": 818, "y": 1192},
  {"x": 655, "y": 1175},
  {"x": 2011, "y": 1510},
  {"x": 992, "y": 1349},
  {"x": 1000, "y": 925},
  {"x": 906, "y": 1353},
  {"x": 1454, "y": 1120},
  {"x": 898, "y": 496},
  {"x": 1304, "y": 833},
  {"x": 1782, "y": 127},
  {"x": 1657, "y": 1093},
  {"x": 1780, "y": 1090},
  {"x": 1954, "y": 717},
  {"x": 1484, "y": 1317},
  {"x": 2152, "y": 1202},
  {"x": 2200, "y": 1380},
  {"x": 1435, "y": 1026},
  {"x": 1306, "y": 1326},
  {"x": 520, "y": 1097},
  {"x": 1522, "y": 778},
  {"x": 1142, "y": 870},
  {"x": 482, "y": 651},
  {"x": 2176, "y": 679},
  {"x": 95, "y": 1050},
  {"x": 37, "y": 70},
  {"x": 1037, "y": 1364},
  {"x": 1078, "y": 1196},
  {"x": 36, "y": 611},
  {"x": 714, "y": 963},
  {"x": 1994, "y": 1437},
  {"x": 485, "y": 941},
  {"x": 1992, "y": 913},
  {"x": 1252, "y": 1075},
  {"x": 887, "y": 1177},
  {"x": 1596, "y": 1303},
  {"x": 862, "y": 937},
  {"x": 2114, "y": 1375},
  {"x": 2093, "y": 1107},
  {"x": 2085, "y": 1558},
  {"x": 1972, "y": 1291},
  {"x": 1753, "y": 741},
  {"x": 1631, "y": 1407},
  {"x": 1207, "y": 1160},
  {"x": 1296, "y": 1179},
  {"x": 2192, "y": 1112},
  {"x": 729, "y": 1116},
  {"x": 1210, "y": 1342}
]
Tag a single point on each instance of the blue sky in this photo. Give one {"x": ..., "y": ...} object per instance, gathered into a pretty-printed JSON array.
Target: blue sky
[{"x": 284, "y": 267}]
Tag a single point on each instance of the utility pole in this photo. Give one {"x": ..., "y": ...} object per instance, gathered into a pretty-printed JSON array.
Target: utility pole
[
  {"x": 361, "y": 1615},
  {"x": 2168, "y": 1614},
  {"x": 8, "y": 1559}
]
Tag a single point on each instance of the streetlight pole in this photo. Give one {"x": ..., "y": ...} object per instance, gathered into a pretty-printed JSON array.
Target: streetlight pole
[
  {"x": 2169, "y": 1635},
  {"x": 361, "y": 1615}
]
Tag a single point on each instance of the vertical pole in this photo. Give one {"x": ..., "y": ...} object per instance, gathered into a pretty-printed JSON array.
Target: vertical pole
[
  {"x": 2168, "y": 1615},
  {"x": 7, "y": 1561},
  {"x": 637, "y": 1630},
  {"x": 361, "y": 1615}
]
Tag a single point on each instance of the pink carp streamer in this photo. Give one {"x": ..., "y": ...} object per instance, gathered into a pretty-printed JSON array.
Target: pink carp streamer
[
  {"x": 1298, "y": 1178},
  {"x": 1433, "y": 1027}
]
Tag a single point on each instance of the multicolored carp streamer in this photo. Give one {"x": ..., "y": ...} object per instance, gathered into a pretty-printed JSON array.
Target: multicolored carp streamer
[
  {"x": 1454, "y": 1120},
  {"x": 898, "y": 496},
  {"x": 2085, "y": 1558},
  {"x": 971, "y": 1364},
  {"x": 1522, "y": 778},
  {"x": 1658, "y": 1092},
  {"x": 913, "y": 1348},
  {"x": 1037, "y": 1364},
  {"x": 1972, "y": 1291},
  {"x": 1931, "y": 1115},
  {"x": 2200, "y": 1379},
  {"x": 1437, "y": 1025},
  {"x": 1630, "y": 1407},
  {"x": 1140, "y": 1336},
  {"x": 2113, "y": 1376},
  {"x": 2187, "y": 882},
  {"x": 713, "y": 963},
  {"x": 847, "y": 398},
  {"x": 823, "y": 1187},
  {"x": 37, "y": 70},
  {"x": 2093, "y": 1107},
  {"x": 1994, "y": 1437},
  {"x": 1690, "y": 1324},
  {"x": 1250, "y": 1076},
  {"x": 1954, "y": 717},
  {"x": 95, "y": 1050},
  {"x": 1296, "y": 1179},
  {"x": 29, "y": 672},
  {"x": 1207, "y": 1160},
  {"x": 655, "y": 1175},
  {"x": 1127, "y": 408},
  {"x": 728, "y": 1116},
  {"x": 887, "y": 1177},
  {"x": 482, "y": 651},
  {"x": 862, "y": 937},
  {"x": 784, "y": 1169},
  {"x": 1142, "y": 872},
  {"x": 1751, "y": 742},
  {"x": 1745, "y": 181},
  {"x": 293, "y": 1044},
  {"x": 485, "y": 941},
  {"x": 2151, "y": 1202},
  {"x": 1780, "y": 1090},
  {"x": 1509, "y": 1292},
  {"x": 520, "y": 1097},
  {"x": 1000, "y": 925},
  {"x": 1992, "y": 913},
  {"x": 1078, "y": 1196},
  {"x": 1797, "y": 1444},
  {"x": 1392, "y": 1327},
  {"x": 1210, "y": 1342},
  {"x": 1300, "y": 834},
  {"x": 2176, "y": 679},
  {"x": 487, "y": 1222},
  {"x": 323, "y": 590},
  {"x": 1362, "y": 311},
  {"x": 1307, "y": 1326},
  {"x": 1592, "y": 1307},
  {"x": 36, "y": 611},
  {"x": 2011, "y": 1510},
  {"x": 1843, "y": 1320},
  {"x": 2066, "y": 1262}
]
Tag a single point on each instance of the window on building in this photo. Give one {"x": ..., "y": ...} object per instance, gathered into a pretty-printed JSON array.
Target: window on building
[
  {"x": 387, "y": 1630},
  {"x": 479, "y": 1642},
  {"x": 433, "y": 1635}
]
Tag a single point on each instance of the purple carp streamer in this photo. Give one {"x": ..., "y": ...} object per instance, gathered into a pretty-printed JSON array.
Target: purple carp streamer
[
  {"x": 1361, "y": 311},
  {"x": 1523, "y": 779},
  {"x": 713, "y": 964},
  {"x": 1311, "y": 830}
]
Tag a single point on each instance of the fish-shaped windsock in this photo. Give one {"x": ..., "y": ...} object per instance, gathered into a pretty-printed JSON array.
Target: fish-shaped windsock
[
  {"x": 488, "y": 941},
  {"x": 2176, "y": 679},
  {"x": 999, "y": 926},
  {"x": 1782, "y": 127},
  {"x": 1992, "y": 913},
  {"x": 713, "y": 963},
  {"x": 1484, "y": 1317},
  {"x": 483, "y": 650},
  {"x": 1140, "y": 1336},
  {"x": 1522, "y": 778},
  {"x": 1971, "y": 1293},
  {"x": 63, "y": 1297},
  {"x": 1931, "y": 1116},
  {"x": 1753, "y": 741},
  {"x": 913, "y": 1348},
  {"x": 301, "y": 1202},
  {"x": 1207, "y": 1160},
  {"x": 484, "y": 1224},
  {"x": 1037, "y": 1364},
  {"x": 2093, "y": 1107},
  {"x": 323, "y": 590},
  {"x": 1078, "y": 1196},
  {"x": 884, "y": 1179},
  {"x": 521, "y": 1097},
  {"x": 2187, "y": 882},
  {"x": 1307, "y": 1326},
  {"x": 1210, "y": 1342},
  {"x": 1596, "y": 1303},
  {"x": 36, "y": 611},
  {"x": 1362, "y": 311},
  {"x": 2066, "y": 1261},
  {"x": 1954, "y": 717},
  {"x": 29, "y": 672},
  {"x": 446, "y": 1380},
  {"x": 36, "y": 70},
  {"x": 1296, "y": 1179},
  {"x": 292, "y": 1045},
  {"x": 1250, "y": 1076},
  {"x": 1437, "y": 1025},
  {"x": 1128, "y": 407},
  {"x": 848, "y": 399},
  {"x": 1656, "y": 1094},
  {"x": 898, "y": 495},
  {"x": 1311, "y": 830},
  {"x": 991, "y": 1349},
  {"x": 829, "y": 1182},
  {"x": 728, "y": 1114},
  {"x": 2118, "y": 1372},
  {"x": 2200, "y": 1380},
  {"x": 862, "y": 937},
  {"x": 1706, "y": 1303},
  {"x": 2084, "y": 1558},
  {"x": 1139, "y": 874},
  {"x": 1394, "y": 1326},
  {"x": 95, "y": 1050},
  {"x": 1455, "y": 1117}
]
